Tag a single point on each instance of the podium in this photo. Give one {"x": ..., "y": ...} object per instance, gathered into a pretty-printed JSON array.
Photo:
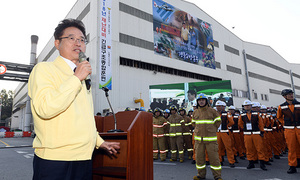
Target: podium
[{"x": 134, "y": 160}]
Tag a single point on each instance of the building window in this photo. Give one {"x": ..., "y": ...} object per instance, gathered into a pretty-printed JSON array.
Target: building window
[
  {"x": 239, "y": 93},
  {"x": 255, "y": 95},
  {"x": 262, "y": 97},
  {"x": 266, "y": 97}
]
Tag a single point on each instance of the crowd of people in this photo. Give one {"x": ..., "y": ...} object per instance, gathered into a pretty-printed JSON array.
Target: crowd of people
[{"x": 257, "y": 133}]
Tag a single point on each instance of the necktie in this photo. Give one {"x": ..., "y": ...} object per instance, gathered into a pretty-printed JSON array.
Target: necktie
[{"x": 87, "y": 82}]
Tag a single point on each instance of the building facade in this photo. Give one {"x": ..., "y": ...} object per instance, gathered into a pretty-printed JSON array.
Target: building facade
[{"x": 255, "y": 70}]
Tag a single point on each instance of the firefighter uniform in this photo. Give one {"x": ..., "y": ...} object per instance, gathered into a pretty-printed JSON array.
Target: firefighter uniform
[
  {"x": 236, "y": 133},
  {"x": 253, "y": 127},
  {"x": 207, "y": 121},
  {"x": 159, "y": 123},
  {"x": 289, "y": 115},
  {"x": 224, "y": 139},
  {"x": 167, "y": 128},
  {"x": 176, "y": 125},
  {"x": 186, "y": 132}
]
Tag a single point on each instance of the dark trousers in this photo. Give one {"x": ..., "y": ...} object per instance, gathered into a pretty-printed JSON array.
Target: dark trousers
[{"x": 61, "y": 170}]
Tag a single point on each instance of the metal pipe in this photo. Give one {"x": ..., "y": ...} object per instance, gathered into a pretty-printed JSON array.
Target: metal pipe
[
  {"x": 28, "y": 114},
  {"x": 247, "y": 74},
  {"x": 140, "y": 101},
  {"x": 292, "y": 81}
]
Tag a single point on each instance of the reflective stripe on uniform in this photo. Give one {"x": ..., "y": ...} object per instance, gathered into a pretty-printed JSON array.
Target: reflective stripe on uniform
[
  {"x": 217, "y": 119},
  {"x": 182, "y": 121},
  {"x": 158, "y": 126},
  {"x": 224, "y": 131},
  {"x": 155, "y": 151},
  {"x": 216, "y": 167},
  {"x": 200, "y": 167},
  {"x": 289, "y": 127},
  {"x": 235, "y": 131},
  {"x": 190, "y": 150},
  {"x": 186, "y": 134},
  {"x": 167, "y": 134},
  {"x": 158, "y": 135},
  {"x": 178, "y": 134},
  {"x": 180, "y": 152},
  {"x": 173, "y": 151},
  {"x": 204, "y": 121},
  {"x": 249, "y": 133},
  {"x": 176, "y": 124},
  {"x": 198, "y": 138},
  {"x": 162, "y": 151},
  {"x": 188, "y": 124},
  {"x": 210, "y": 138},
  {"x": 172, "y": 134}
]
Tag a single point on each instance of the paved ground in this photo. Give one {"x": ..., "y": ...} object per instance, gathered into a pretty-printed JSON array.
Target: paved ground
[{"x": 16, "y": 157}]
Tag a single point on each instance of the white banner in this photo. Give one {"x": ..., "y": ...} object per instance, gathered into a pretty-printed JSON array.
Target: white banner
[{"x": 105, "y": 44}]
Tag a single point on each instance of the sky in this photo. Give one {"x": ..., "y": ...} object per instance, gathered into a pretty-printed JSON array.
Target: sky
[{"x": 275, "y": 23}]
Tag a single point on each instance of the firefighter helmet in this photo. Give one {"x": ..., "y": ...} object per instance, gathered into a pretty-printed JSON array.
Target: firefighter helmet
[
  {"x": 286, "y": 92},
  {"x": 201, "y": 96},
  {"x": 167, "y": 111},
  {"x": 157, "y": 110},
  {"x": 263, "y": 107},
  {"x": 219, "y": 103},
  {"x": 173, "y": 107},
  {"x": 247, "y": 102},
  {"x": 142, "y": 109},
  {"x": 231, "y": 108}
]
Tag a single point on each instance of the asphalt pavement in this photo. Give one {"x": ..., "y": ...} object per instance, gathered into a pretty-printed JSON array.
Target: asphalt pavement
[{"x": 16, "y": 155}]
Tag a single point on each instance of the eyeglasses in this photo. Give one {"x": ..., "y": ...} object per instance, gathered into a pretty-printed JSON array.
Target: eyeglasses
[{"x": 72, "y": 39}]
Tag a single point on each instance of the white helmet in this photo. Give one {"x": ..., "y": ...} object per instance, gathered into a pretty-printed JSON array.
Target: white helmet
[
  {"x": 263, "y": 107},
  {"x": 219, "y": 103},
  {"x": 231, "y": 108},
  {"x": 223, "y": 103},
  {"x": 255, "y": 104},
  {"x": 247, "y": 102}
]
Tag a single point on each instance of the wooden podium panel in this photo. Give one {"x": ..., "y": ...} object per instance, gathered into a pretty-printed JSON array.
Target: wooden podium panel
[{"x": 135, "y": 158}]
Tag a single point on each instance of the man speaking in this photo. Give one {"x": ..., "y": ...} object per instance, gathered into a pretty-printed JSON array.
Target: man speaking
[{"x": 62, "y": 110}]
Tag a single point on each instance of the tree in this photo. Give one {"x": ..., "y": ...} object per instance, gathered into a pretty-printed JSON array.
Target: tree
[{"x": 7, "y": 102}]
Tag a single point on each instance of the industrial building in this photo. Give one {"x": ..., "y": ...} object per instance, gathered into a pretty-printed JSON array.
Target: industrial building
[{"x": 257, "y": 72}]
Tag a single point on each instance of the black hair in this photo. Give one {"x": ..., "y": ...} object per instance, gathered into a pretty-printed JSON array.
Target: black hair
[
  {"x": 193, "y": 92},
  {"x": 59, "y": 30}
]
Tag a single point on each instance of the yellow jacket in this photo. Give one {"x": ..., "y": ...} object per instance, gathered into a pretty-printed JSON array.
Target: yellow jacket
[{"x": 63, "y": 113}]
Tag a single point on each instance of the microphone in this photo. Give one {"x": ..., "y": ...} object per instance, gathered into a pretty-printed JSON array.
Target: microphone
[{"x": 82, "y": 57}]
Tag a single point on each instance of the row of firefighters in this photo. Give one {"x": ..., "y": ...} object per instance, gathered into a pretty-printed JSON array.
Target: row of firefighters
[{"x": 256, "y": 133}]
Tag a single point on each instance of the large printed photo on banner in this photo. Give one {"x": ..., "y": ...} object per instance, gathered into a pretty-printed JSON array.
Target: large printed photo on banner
[
  {"x": 179, "y": 35},
  {"x": 185, "y": 94}
]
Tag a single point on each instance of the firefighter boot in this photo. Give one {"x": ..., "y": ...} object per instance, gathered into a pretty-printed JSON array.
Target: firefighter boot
[
  {"x": 262, "y": 165},
  {"x": 298, "y": 161},
  {"x": 292, "y": 170},
  {"x": 251, "y": 165},
  {"x": 198, "y": 178}
]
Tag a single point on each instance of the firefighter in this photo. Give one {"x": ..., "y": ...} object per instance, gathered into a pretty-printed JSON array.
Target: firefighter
[
  {"x": 159, "y": 123},
  {"x": 176, "y": 139},
  {"x": 277, "y": 139},
  {"x": 289, "y": 115},
  {"x": 167, "y": 128},
  {"x": 206, "y": 121},
  {"x": 186, "y": 132},
  {"x": 236, "y": 137},
  {"x": 224, "y": 140},
  {"x": 253, "y": 127},
  {"x": 268, "y": 135}
]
